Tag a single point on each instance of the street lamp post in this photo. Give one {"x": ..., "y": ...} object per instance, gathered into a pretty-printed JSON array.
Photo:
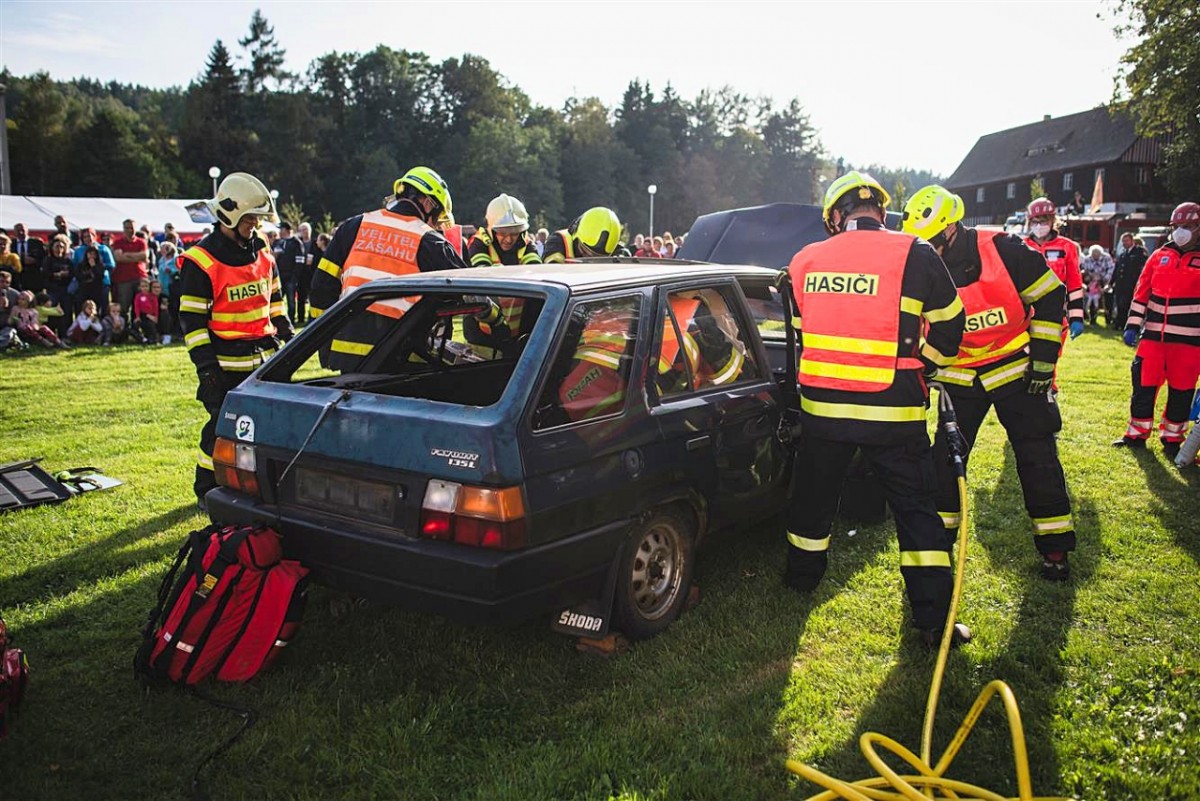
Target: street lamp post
[
  {"x": 214, "y": 173},
  {"x": 652, "y": 189}
]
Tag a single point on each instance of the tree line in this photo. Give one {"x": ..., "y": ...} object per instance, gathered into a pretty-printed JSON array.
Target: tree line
[{"x": 333, "y": 140}]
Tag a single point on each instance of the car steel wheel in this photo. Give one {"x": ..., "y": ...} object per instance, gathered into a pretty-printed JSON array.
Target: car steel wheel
[{"x": 656, "y": 577}]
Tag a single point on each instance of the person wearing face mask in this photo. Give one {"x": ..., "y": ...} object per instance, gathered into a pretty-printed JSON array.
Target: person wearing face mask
[
  {"x": 1013, "y": 303},
  {"x": 1062, "y": 256},
  {"x": 1166, "y": 310},
  {"x": 231, "y": 305}
]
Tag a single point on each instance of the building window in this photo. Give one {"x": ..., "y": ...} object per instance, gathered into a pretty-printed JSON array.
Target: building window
[
  {"x": 1141, "y": 175},
  {"x": 1011, "y": 191},
  {"x": 979, "y": 195},
  {"x": 1068, "y": 180}
]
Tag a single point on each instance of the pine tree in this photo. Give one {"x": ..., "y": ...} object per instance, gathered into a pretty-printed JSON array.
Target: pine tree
[{"x": 266, "y": 56}]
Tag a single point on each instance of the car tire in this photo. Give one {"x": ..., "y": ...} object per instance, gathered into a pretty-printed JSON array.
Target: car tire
[{"x": 655, "y": 574}]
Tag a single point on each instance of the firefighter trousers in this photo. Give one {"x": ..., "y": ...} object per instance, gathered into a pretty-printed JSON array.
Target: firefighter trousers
[
  {"x": 1031, "y": 422},
  {"x": 906, "y": 474},
  {"x": 205, "y": 479}
]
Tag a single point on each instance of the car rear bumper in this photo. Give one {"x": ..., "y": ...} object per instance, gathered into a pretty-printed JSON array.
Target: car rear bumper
[{"x": 469, "y": 584}]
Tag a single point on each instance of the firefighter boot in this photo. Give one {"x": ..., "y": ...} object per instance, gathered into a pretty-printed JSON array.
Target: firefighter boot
[
  {"x": 804, "y": 569},
  {"x": 932, "y": 638},
  {"x": 1129, "y": 442},
  {"x": 1055, "y": 566}
]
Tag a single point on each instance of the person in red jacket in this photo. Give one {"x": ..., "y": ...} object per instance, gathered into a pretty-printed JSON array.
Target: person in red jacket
[
  {"x": 1166, "y": 309},
  {"x": 1062, "y": 256}
]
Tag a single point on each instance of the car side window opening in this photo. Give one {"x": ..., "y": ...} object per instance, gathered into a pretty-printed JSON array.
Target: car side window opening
[
  {"x": 590, "y": 373},
  {"x": 702, "y": 344},
  {"x": 767, "y": 308}
]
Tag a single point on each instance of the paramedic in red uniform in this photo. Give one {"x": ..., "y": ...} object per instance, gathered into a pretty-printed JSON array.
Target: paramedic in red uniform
[
  {"x": 1166, "y": 309},
  {"x": 1062, "y": 256},
  {"x": 230, "y": 304},
  {"x": 864, "y": 296},
  {"x": 1013, "y": 305}
]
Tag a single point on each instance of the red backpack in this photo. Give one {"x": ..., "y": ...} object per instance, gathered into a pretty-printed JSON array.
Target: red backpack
[
  {"x": 14, "y": 678},
  {"x": 235, "y": 605}
]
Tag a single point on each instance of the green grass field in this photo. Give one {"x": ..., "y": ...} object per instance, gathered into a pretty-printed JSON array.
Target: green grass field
[{"x": 378, "y": 702}]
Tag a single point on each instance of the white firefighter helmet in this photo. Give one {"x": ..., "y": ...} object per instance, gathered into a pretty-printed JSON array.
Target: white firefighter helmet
[
  {"x": 241, "y": 194},
  {"x": 508, "y": 214}
]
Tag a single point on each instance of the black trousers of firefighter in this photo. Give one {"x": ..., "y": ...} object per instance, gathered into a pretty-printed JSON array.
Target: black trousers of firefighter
[
  {"x": 1031, "y": 422},
  {"x": 205, "y": 479},
  {"x": 906, "y": 474}
]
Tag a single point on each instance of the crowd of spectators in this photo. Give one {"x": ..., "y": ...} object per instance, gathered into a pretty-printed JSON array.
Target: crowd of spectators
[
  {"x": 647, "y": 246},
  {"x": 89, "y": 288},
  {"x": 1109, "y": 282}
]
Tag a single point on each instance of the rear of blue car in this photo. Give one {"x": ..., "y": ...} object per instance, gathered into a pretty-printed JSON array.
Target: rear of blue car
[{"x": 398, "y": 474}]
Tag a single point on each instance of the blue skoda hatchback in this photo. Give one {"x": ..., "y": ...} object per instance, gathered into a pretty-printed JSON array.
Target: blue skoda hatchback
[{"x": 500, "y": 443}]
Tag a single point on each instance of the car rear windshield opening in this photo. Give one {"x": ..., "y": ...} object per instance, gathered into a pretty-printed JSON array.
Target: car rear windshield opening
[{"x": 446, "y": 347}]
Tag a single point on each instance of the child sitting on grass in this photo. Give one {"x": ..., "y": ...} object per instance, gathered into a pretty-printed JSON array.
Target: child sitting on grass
[
  {"x": 31, "y": 329},
  {"x": 86, "y": 329},
  {"x": 50, "y": 314},
  {"x": 144, "y": 321},
  {"x": 113, "y": 327}
]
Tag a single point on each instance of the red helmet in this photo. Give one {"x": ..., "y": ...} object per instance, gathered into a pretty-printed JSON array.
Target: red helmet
[
  {"x": 1041, "y": 207},
  {"x": 1185, "y": 213}
]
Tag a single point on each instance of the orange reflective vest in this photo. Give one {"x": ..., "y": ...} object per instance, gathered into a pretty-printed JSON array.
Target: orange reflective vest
[
  {"x": 596, "y": 387},
  {"x": 684, "y": 310},
  {"x": 847, "y": 289},
  {"x": 454, "y": 235},
  {"x": 997, "y": 319},
  {"x": 386, "y": 247},
  {"x": 241, "y": 295},
  {"x": 568, "y": 247}
]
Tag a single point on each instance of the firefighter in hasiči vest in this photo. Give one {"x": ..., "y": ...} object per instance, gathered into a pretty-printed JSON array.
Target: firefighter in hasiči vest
[
  {"x": 596, "y": 232},
  {"x": 1062, "y": 256},
  {"x": 231, "y": 304},
  {"x": 595, "y": 386},
  {"x": 399, "y": 239},
  {"x": 1012, "y": 341},
  {"x": 864, "y": 296},
  {"x": 1166, "y": 309},
  {"x": 503, "y": 241},
  {"x": 700, "y": 346}
]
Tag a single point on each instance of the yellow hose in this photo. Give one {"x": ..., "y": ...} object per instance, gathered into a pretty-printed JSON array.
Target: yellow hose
[{"x": 928, "y": 779}]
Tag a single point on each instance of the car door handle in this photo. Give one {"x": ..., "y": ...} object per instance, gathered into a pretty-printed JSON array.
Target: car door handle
[{"x": 696, "y": 443}]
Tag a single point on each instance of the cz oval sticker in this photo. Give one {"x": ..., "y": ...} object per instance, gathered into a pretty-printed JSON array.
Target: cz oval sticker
[{"x": 244, "y": 428}]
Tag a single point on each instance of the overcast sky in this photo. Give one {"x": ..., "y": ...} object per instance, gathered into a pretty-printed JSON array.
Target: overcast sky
[{"x": 898, "y": 83}]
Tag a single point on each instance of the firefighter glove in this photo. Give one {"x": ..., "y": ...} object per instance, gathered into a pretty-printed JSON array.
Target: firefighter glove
[
  {"x": 1040, "y": 377},
  {"x": 1076, "y": 328},
  {"x": 213, "y": 386},
  {"x": 1131, "y": 336}
]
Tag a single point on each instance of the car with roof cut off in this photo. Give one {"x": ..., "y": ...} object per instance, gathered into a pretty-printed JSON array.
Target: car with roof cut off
[{"x": 498, "y": 443}]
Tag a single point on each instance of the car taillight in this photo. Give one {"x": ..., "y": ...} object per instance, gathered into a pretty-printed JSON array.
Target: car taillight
[
  {"x": 234, "y": 464},
  {"x": 483, "y": 517}
]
